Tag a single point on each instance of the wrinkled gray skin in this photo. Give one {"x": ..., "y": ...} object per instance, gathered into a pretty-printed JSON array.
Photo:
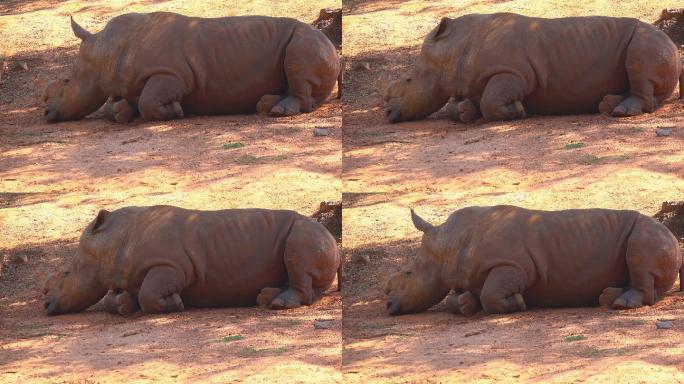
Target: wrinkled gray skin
[
  {"x": 503, "y": 259},
  {"x": 503, "y": 66},
  {"x": 163, "y": 65},
  {"x": 160, "y": 259}
]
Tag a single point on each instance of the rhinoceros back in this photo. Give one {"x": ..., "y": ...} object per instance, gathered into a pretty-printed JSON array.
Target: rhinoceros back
[
  {"x": 226, "y": 63},
  {"x": 570, "y": 256},
  {"x": 570, "y": 63},
  {"x": 227, "y": 256}
]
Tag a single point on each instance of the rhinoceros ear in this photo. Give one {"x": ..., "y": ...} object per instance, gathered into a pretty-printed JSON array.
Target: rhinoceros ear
[
  {"x": 419, "y": 223},
  {"x": 79, "y": 31},
  {"x": 441, "y": 30},
  {"x": 102, "y": 216}
]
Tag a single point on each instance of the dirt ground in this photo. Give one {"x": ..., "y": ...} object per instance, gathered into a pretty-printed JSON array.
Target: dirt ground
[
  {"x": 55, "y": 178},
  {"x": 437, "y": 166}
]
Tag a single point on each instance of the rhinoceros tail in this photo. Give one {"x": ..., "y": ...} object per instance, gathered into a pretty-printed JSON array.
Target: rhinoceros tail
[{"x": 419, "y": 223}]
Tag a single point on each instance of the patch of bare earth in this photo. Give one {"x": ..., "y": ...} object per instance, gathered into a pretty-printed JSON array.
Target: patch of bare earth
[
  {"x": 55, "y": 178},
  {"x": 437, "y": 166}
]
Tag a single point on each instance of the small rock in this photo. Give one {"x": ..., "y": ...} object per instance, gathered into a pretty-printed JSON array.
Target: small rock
[
  {"x": 19, "y": 259},
  {"x": 18, "y": 65},
  {"x": 662, "y": 132},
  {"x": 663, "y": 324},
  {"x": 361, "y": 66},
  {"x": 322, "y": 324},
  {"x": 361, "y": 258},
  {"x": 321, "y": 132}
]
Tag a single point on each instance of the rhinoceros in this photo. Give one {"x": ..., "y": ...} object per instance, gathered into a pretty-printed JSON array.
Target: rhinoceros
[
  {"x": 505, "y": 258},
  {"x": 504, "y": 66},
  {"x": 161, "y": 258},
  {"x": 164, "y": 65}
]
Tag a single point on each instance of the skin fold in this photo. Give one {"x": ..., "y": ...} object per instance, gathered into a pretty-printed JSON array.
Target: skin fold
[
  {"x": 505, "y": 66},
  {"x": 162, "y": 258},
  {"x": 504, "y": 259},
  {"x": 163, "y": 66}
]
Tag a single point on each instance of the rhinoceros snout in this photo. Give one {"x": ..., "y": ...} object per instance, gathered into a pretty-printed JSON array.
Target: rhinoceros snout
[
  {"x": 393, "y": 307},
  {"x": 51, "y": 115},
  {"x": 50, "y": 307},
  {"x": 392, "y": 114}
]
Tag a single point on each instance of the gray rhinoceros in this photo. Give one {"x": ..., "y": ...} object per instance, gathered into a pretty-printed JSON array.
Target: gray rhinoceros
[
  {"x": 164, "y": 65},
  {"x": 503, "y": 66},
  {"x": 162, "y": 258},
  {"x": 505, "y": 258}
]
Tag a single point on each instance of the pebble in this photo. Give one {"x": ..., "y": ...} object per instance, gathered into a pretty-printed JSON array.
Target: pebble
[
  {"x": 361, "y": 258},
  {"x": 361, "y": 66},
  {"x": 19, "y": 259},
  {"x": 321, "y": 132},
  {"x": 322, "y": 324},
  {"x": 663, "y": 132},
  {"x": 663, "y": 324}
]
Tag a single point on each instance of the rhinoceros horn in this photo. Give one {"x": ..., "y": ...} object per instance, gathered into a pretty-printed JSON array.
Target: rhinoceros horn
[
  {"x": 419, "y": 223},
  {"x": 79, "y": 31}
]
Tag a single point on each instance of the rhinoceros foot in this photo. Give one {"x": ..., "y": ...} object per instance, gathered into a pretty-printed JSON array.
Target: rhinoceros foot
[
  {"x": 266, "y": 103},
  {"x": 465, "y": 303},
  {"x": 609, "y": 295},
  {"x": 286, "y": 300},
  {"x": 121, "y": 303},
  {"x": 267, "y": 295},
  {"x": 124, "y": 112},
  {"x": 609, "y": 102},
  {"x": 630, "y": 299},
  {"x": 288, "y": 106},
  {"x": 464, "y": 111}
]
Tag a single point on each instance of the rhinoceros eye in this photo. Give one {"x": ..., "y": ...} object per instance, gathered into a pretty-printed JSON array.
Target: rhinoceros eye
[
  {"x": 66, "y": 81},
  {"x": 66, "y": 273},
  {"x": 408, "y": 273},
  {"x": 408, "y": 80}
]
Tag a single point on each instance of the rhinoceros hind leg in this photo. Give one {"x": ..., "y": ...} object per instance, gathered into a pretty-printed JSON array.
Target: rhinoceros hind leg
[
  {"x": 311, "y": 259},
  {"x": 463, "y": 111},
  {"x": 160, "y": 290},
  {"x": 160, "y": 98},
  {"x": 610, "y": 294},
  {"x": 121, "y": 303},
  {"x": 502, "y": 98},
  {"x": 501, "y": 292},
  {"x": 465, "y": 303}
]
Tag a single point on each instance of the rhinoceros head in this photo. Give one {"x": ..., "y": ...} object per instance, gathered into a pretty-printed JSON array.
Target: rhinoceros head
[
  {"x": 77, "y": 93},
  {"x": 421, "y": 92},
  {"x": 80, "y": 283},
  {"x": 418, "y": 286}
]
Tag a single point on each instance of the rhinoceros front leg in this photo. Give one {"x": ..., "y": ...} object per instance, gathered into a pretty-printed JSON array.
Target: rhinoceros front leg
[
  {"x": 160, "y": 98},
  {"x": 160, "y": 291},
  {"x": 121, "y": 303},
  {"x": 464, "y": 303},
  {"x": 501, "y": 292},
  {"x": 502, "y": 97},
  {"x": 464, "y": 111}
]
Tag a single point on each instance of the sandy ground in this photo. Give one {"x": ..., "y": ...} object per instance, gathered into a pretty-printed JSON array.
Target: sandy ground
[
  {"x": 437, "y": 166},
  {"x": 55, "y": 178}
]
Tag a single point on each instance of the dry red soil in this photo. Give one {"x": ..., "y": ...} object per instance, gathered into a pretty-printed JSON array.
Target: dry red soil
[
  {"x": 55, "y": 178},
  {"x": 437, "y": 166}
]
